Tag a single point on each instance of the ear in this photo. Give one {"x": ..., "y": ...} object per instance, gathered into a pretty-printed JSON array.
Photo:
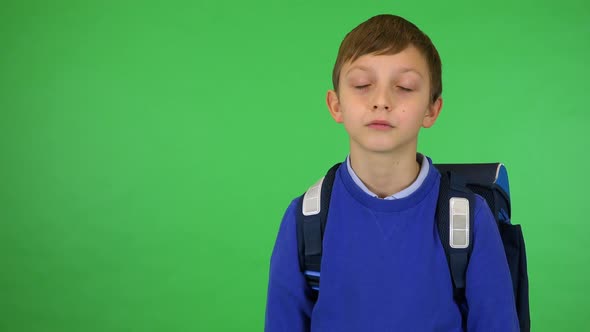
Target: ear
[
  {"x": 334, "y": 105},
  {"x": 432, "y": 113}
]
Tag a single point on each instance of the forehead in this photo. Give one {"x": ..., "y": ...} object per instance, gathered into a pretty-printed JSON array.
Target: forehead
[{"x": 409, "y": 60}]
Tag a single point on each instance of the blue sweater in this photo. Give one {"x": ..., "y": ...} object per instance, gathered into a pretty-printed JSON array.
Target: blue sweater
[{"x": 384, "y": 268}]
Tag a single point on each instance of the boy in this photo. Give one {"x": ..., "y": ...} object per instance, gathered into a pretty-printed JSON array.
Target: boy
[{"x": 383, "y": 266}]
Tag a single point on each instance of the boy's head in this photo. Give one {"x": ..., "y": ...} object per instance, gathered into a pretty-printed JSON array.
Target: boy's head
[
  {"x": 388, "y": 34},
  {"x": 387, "y": 85}
]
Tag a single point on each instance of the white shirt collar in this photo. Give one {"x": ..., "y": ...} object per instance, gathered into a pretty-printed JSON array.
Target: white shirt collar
[{"x": 424, "y": 167}]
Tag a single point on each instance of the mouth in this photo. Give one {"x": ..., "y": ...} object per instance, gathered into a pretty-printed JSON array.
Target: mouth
[{"x": 380, "y": 125}]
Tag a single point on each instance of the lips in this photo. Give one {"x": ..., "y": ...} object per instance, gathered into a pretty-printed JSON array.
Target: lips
[{"x": 380, "y": 123}]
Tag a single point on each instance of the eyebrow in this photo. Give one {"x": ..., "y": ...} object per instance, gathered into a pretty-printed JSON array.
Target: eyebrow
[{"x": 365, "y": 68}]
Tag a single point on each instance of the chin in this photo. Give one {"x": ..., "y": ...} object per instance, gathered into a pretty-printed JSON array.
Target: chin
[
  {"x": 380, "y": 148},
  {"x": 378, "y": 144},
  {"x": 381, "y": 145}
]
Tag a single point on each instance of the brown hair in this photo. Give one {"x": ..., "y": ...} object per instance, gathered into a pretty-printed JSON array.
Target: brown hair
[{"x": 388, "y": 34}]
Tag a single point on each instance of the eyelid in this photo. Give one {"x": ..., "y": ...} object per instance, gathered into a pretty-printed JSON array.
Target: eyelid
[{"x": 402, "y": 87}]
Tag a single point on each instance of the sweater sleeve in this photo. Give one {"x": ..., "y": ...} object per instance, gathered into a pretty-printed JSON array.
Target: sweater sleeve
[
  {"x": 488, "y": 290},
  {"x": 289, "y": 298}
]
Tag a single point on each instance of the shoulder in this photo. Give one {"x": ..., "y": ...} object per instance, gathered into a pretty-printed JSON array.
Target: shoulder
[
  {"x": 290, "y": 215},
  {"x": 286, "y": 241},
  {"x": 484, "y": 222},
  {"x": 482, "y": 209},
  {"x": 481, "y": 205},
  {"x": 290, "y": 212}
]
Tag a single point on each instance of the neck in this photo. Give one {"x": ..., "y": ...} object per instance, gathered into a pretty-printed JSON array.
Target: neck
[{"x": 385, "y": 174}]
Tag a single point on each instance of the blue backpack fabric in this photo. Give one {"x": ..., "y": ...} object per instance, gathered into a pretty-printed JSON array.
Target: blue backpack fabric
[{"x": 458, "y": 181}]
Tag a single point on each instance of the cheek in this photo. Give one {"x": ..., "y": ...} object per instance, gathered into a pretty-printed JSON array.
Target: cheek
[
  {"x": 351, "y": 119},
  {"x": 350, "y": 125},
  {"x": 355, "y": 98},
  {"x": 411, "y": 112}
]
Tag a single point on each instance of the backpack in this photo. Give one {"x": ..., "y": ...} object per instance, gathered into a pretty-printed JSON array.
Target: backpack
[{"x": 458, "y": 185}]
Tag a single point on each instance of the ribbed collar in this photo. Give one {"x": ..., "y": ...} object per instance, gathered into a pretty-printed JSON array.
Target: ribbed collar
[{"x": 384, "y": 205}]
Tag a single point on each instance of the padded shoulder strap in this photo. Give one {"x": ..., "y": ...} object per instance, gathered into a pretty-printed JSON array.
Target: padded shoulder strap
[
  {"x": 311, "y": 221},
  {"x": 455, "y": 217}
]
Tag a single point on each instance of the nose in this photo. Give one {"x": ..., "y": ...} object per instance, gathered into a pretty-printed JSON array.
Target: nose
[
  {"x": 383, "y": 106},
  {"x": 382, "y": 100}
]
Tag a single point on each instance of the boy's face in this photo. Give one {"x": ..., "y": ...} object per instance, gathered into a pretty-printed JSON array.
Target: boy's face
[{"x": 384, "y": 100}]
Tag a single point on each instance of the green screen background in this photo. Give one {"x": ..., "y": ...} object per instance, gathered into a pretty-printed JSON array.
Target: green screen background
[{"x": 150, "y": 148}]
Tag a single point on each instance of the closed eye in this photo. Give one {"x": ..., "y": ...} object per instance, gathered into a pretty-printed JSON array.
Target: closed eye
[
  {"x": 404, "y": 88},
  {"x": 361, "y": 87}
]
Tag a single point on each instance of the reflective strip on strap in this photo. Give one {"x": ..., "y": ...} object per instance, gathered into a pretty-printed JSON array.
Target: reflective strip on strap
[
  {"x": 459, "y": 222},
  {"x": 312, "y": 273},
  {"x": 312, "y": 199}
]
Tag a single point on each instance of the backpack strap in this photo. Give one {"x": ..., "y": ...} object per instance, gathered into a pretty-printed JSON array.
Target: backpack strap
[
  {"x": 312, "y": 216},
  {"x": 455, "y": 218}
]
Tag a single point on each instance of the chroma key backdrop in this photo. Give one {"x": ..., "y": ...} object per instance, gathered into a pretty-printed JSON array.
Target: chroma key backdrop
[{"x": 150, "y": 148}]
